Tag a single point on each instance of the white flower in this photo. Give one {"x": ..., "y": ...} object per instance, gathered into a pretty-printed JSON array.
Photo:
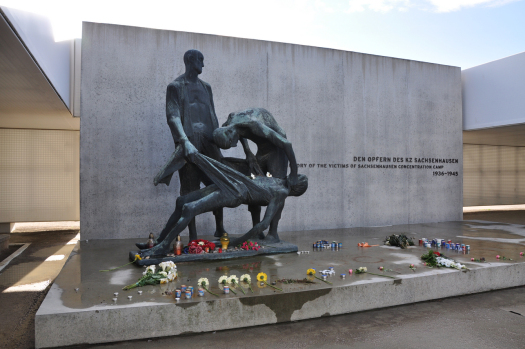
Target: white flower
[
  {"x": 223, "y": 279},
  {"x": 149, "y": 269},
  {"x": 172, "y": 275},
  {"x": 162, "y": 266},
  {"x": 203, "y": 281},
  {"x": 246, "y": 278},
  {"x": 167, "y": 266},
  {"x": 164, "y": 281},
  {"x": 449, "y": 263},
  {"x": 163, "y": 273},
  {"x": 233, "y": 280},
  {"x": 268, "y": 174}
]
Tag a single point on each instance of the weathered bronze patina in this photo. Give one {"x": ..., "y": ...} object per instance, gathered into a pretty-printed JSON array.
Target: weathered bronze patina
[{"x": 258, "y": 180}]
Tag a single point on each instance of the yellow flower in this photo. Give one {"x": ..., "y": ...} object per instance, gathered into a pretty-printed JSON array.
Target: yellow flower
[
  {"x": 262, "y": 277},
  {"x": 138, "y": 257},
  {"x": 310, "y": 272}
]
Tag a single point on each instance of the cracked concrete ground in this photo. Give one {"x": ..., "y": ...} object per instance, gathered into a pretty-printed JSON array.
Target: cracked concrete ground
[{"x": 487, "y": 320}]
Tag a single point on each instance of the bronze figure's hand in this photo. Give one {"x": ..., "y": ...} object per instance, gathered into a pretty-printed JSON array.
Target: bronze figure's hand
[
  {"x": 189, "y": 149},
  {"x": 292, "y": 180}
]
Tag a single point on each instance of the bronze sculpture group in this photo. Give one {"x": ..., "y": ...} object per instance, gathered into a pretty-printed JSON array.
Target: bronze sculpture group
[{"x": 259, "y": 180}]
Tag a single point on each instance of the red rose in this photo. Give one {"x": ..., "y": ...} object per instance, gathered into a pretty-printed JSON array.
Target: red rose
[
  {"x": 194, "y": 249},
  {"x": 437, "y": 253}
]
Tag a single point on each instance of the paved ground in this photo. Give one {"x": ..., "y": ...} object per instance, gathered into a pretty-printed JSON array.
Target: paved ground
[
  {"x": 487, "y": 320},
  {"x": 514, "y": 214},
  {"x": 25, "y": 281}
]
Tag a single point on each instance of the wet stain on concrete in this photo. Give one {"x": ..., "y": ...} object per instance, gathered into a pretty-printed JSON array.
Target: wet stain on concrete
[
  {"x": 398, "y": 282},
  {"x": 284, "y": 304},
  {"x": 188, "y": 305},
  {"x": 368, "y": 259}
]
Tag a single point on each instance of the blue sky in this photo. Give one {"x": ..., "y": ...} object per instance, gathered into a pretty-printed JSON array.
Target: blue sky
[{"x": 462, "y": 33}]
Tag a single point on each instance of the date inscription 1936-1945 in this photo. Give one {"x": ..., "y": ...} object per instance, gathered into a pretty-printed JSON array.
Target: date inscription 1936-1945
[{"x": 443, "y": 173}]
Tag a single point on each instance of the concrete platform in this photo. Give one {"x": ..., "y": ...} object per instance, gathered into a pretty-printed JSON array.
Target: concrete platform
[{"x": 88, "y": 315}]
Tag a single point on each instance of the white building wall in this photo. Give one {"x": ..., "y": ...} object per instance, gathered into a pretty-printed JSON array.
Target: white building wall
[
  {"x": 39, "y": 175},
  {"x": 493, "y": 93}
]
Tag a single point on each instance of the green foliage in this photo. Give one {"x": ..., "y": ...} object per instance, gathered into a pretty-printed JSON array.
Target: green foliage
[
  {"x": 401, "y": 240},
  {"x": 148, "y": 279},
  {"x": 430, "y": 258}
]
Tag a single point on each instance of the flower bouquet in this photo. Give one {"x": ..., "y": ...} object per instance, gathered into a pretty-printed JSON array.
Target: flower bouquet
[
  {"x": 200, "y": 246},
  {"x": 436, "y": 259},
  {"x": 399, "y": 241},
  {"x": 262, "y": 277},
  {"x": 311, "y": 272},
  {"x": 247, "y": 279},
  {"x": 250, "y": 245},
  {"x": 363, "y": 270},
  {"x": 166, "y": 272}
]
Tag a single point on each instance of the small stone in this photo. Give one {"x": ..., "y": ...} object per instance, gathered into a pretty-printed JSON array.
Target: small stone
[
  {"x": 76, "y": 289},
  {"x": 274, "y": 283},
  {"x": 114, "y": 299},
  {"x": 115, "y": 294},
  {"x": 129, "y": 297},
  {"x": 139, "y": 292}
]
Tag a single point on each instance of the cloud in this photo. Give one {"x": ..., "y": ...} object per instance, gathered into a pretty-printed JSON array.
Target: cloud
[
  {"x": 439, "y": 6},
  {"x": 456, "y": 5},
  {"x": 376, "y": 5}
]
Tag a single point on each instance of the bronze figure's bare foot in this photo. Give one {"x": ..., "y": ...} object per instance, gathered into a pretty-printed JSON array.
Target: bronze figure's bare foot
[
  {"x": 161, "y": 249},
  {"x": 271, "y": 239}
]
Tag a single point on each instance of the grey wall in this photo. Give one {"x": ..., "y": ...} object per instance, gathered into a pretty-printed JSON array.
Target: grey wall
[
  {"x": 493, "y": 175},
  {"x": 334, "y": 106}
]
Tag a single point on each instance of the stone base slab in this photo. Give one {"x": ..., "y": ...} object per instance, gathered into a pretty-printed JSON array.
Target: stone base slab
[{"x": 79, "y": 308}]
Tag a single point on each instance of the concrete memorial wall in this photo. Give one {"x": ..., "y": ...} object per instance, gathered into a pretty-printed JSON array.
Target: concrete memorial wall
[{"x": 379, "y": 138}]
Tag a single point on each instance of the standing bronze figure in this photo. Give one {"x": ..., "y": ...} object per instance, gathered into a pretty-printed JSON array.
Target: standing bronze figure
[{"x": 190, "y": 113}]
